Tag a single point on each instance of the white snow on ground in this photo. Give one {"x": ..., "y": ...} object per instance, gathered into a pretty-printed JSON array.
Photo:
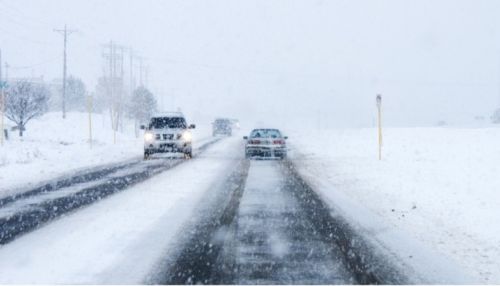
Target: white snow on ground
[
  {"x": 52, "y": 147},
  {"x": 120, "y": 239},
  {"x": 436, "y": 186}
]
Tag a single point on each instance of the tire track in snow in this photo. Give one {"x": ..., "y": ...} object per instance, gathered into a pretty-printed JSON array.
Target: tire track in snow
[{"x": 234, "y": 243}]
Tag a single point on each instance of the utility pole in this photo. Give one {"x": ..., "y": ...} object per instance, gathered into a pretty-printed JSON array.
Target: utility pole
[
  {"x": 122, "y": 89},
  {"x": 146, "y": 76},
  {"x": 112, "y": 87},
  {"x": 131, "y": 71},
  {"x": 65, "y": 34},
  {"x": 110, "y": 82},
  {"x": 115, "y": 83},
  {"x": 140, "y": 72}
]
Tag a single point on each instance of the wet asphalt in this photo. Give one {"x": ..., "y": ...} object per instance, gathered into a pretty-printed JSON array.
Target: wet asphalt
[
  {"x": 265, "y": 227},
  {"x": 272, "y": 241}
]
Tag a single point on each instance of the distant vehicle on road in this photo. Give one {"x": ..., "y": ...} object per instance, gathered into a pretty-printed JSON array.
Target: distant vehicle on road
[
  {"x": 222, "y": 126},
  {"x": 168, "y": 133},
  {"x": 265, "y": 143}
]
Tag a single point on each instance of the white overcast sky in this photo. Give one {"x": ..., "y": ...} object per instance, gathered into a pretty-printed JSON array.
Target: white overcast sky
[{"x": 318, "y": 62}]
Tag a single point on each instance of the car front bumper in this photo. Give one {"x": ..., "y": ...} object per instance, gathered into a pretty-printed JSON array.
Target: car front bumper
[
  {"x": 167, "y": 147},
  {"x": 265, "y": 151}
]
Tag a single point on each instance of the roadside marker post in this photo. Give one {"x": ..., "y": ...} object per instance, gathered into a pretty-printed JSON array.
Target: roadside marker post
[{"x": 379, "y": 107}]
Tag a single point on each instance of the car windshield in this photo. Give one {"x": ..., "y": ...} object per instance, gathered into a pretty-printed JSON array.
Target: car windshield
[
  {"x": 265, "y": 133},
  {"x": 167, "y": 122},
  {"x": 222, "y": 122}
]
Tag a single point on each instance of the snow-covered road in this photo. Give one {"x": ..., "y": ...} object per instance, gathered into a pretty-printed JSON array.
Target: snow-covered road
[
  {"x": 274, "y": 230},
  {"x": 272, "y": 241},
  {"x": 255, "y": 229},
  {"x": 119, "y": 239}
]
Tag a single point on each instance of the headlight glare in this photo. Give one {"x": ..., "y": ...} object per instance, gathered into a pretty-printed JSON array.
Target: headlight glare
[
  {"x": 148, "y": 137},
  {"x": 187, "y": 136}
]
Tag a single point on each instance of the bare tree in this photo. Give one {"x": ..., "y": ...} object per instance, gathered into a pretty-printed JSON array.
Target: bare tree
[{"x": 25, "y": 101}]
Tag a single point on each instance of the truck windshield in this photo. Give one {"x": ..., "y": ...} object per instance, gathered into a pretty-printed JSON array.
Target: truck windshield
[
  {"x": 222, "y": 123},
  {"x": 167, "y": 122}
]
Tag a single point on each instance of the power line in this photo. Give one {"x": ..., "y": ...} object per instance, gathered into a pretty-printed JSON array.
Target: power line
[
  {"x": 23, "y": 38},
  {"x": 22, "y": 14},
  {"x": 21, "y": 23},
  {"x": 34, "y": 65}
]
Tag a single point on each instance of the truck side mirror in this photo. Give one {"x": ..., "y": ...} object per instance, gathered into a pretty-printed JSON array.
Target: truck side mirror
[
  {"x": 286, "y": 137},
  {"x": 245, "y": 137},
  {"x": 192, "y": 126},
  {"x": 143, "y": 127}
]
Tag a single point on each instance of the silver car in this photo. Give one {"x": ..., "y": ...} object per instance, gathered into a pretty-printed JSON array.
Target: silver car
[
  {"x": 266, "y": 143},
  {"x": 168, "y": 132}
]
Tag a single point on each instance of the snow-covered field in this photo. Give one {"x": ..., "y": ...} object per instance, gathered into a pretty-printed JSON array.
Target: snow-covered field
[
  {"x": 51, "y": 147},
  {"x": 436, "y": 186}
]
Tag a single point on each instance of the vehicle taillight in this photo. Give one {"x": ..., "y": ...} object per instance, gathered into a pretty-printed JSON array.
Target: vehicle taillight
[{"x": 281, "y": 142}]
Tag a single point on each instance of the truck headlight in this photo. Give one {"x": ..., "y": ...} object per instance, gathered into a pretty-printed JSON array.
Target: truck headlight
[
  {"x": 187, "y": 136},
  {"x": 148, "y": 137}
]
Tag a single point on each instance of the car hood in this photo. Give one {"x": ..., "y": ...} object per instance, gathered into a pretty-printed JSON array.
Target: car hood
[{"x": 167, "y": 130}]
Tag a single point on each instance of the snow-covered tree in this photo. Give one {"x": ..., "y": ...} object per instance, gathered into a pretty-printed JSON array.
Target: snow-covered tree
[
  {"x": 142, "y": 105},
  {"x": 25, "y": 101}
]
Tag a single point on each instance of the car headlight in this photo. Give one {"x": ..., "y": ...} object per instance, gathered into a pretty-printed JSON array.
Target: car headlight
[
  {"x": 148, "y": 137},
  {"x": 187, "y": 136}
]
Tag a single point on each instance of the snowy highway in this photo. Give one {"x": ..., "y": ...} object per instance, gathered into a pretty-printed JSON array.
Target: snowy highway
[
  {"x": 218, "y": 218},
  {"x": 269, "y": 240}
]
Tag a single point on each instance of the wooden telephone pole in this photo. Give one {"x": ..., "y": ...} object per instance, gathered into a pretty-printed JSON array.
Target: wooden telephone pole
[{"x": 64, "y": 32}]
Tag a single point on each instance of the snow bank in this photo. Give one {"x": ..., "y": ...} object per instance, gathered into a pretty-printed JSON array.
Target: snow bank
[
  {"x": 437, "y": 186},
  {"x": 52, "y": 147}
]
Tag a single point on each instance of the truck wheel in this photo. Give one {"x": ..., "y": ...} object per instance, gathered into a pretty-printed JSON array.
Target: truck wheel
[
  {"x": 146, "y": 155},
  {"x": 188, "y": 155}
]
